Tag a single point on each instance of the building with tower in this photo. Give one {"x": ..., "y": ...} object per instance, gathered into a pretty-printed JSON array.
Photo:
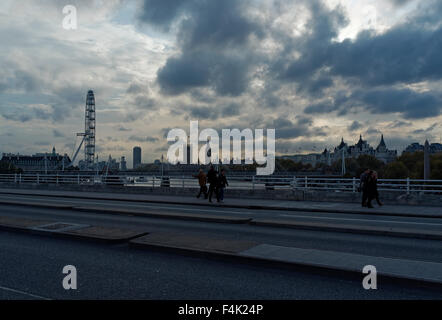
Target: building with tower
[
  {"x": 343, "y": 150},
  {"x": 382, "y": 153},
  {"x": 41, "y": 162}
]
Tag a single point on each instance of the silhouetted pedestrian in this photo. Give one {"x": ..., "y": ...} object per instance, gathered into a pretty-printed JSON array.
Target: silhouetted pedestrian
[
  {"x": 372, "y": 189},
  {"x": 363, "y": 186},
  {"x": 202, "y": 180},
  {"x": 221, "y": 185},
  {"x": 212, "y": 178},
  {"x": 375, "y": 188}
]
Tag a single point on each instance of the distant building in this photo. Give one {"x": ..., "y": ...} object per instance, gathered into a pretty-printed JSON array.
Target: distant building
[
  {"x": 363, "y": 148},
  {"x": 415, "y": 147},
  {"x": 38, "y": 162},
  {"x": 382, "y": 153},
  {"x": 360, "y": 148},
  {"x": 312, "y": 158},
  {"x": 123, "y": 164},
  {"x": 136, "y": 157},
  {"x": 111, "y": 165},
  {"x": 435, "y": 147}
]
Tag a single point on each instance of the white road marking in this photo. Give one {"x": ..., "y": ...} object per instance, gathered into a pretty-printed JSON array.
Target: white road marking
[{"x": 24, "y": 293}]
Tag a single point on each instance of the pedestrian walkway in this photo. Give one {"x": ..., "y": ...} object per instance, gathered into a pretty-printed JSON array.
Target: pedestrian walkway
[
  {"x": 415, "y": 270},
  {"x": 264, "y": 204}
]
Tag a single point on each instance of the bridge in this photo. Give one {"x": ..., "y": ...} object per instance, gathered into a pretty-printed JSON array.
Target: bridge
[
  {"x": 148, "y": 237},
  {"x": 239, "y": 182}
]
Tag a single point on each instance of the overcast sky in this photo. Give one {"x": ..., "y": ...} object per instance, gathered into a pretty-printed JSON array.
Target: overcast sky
[{"x": 315, "y": 71}]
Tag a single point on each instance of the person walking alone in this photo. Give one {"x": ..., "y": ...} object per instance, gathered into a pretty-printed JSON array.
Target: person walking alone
[
  {"x": 221, "y": 185},
  {"x": 212, "y": 178}
]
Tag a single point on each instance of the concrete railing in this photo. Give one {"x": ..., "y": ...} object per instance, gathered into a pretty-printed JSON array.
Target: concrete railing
[{"x": 406, "y": 186}]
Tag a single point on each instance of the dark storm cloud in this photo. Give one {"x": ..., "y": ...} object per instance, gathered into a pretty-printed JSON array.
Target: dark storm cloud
[
  {"x": 301, "y": 127},
  {"x": 213, "y": 112},
  {"x": 411, "y": 104},
  {"x": 356, "y": 125},
  {"x": 429, "y": 15},
  {"x": 203, "y": 113},
  {"x": 322, "y": 107},
  {"x": 230, "y": 110},
  {"x": 315, "y": 87},
  {"x": 315, "y": 48},
  {"x": 25, "y": 114},
  {"x": 183, "y": 73},
  {"x": 214, "y": 38},
  {"x": 407, "y": 53},
  {"x": 226, "y": 73},
  {"x": 400, "y": 2},
  {"x": 217, "y": 24},
  {"x": 161, "y": 13}
]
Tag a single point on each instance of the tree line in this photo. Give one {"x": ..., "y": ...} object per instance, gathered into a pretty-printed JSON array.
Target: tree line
[{"x": 408, "y": 165}]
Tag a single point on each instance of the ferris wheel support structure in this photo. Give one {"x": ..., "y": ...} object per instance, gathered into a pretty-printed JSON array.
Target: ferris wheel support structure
[{"x": 89, "y": 131}]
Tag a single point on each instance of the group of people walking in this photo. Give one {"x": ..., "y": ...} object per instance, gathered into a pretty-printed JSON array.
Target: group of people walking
[
  {"x": 217, "y": 184},
  {"x": 369, "y": 188}
]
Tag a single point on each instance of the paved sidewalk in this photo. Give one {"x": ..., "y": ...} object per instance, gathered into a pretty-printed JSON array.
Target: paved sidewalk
[
  {"x": 307, "y": 206},
  {"x": 69, "y": 230},
  {"x": 421, "y": 271}
]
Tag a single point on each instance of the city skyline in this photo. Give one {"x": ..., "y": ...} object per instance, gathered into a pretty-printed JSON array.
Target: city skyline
[
  {"x": 320, "y": 157},
  {"x": 304, "y": 73}
]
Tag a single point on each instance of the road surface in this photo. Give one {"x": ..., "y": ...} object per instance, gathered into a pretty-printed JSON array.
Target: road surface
[{"x": 32, "y": 265}]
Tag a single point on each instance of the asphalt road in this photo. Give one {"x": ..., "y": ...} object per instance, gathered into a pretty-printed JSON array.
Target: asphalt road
[
  {"x": 32, "y": 269},
  {"x": 31, "y": 265},
  {"x": 343, "y": 218},
  {"x": 374, "y": 245}
]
